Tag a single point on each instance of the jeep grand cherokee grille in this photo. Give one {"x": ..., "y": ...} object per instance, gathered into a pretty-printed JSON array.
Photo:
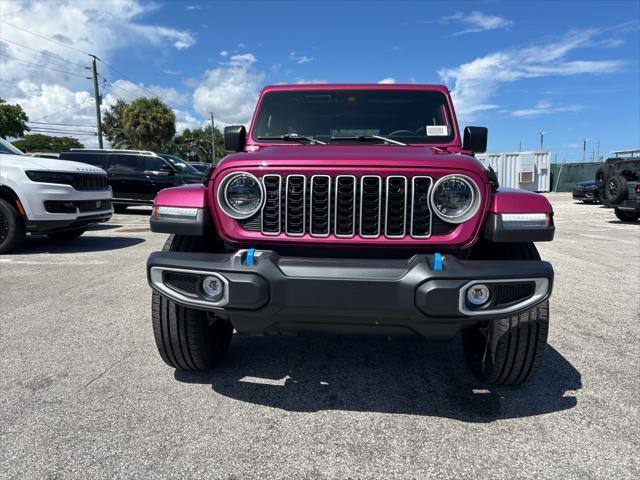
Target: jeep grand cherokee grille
[
  {"x": 346, "y": 206},
  {"x": 88, "y": 181}
]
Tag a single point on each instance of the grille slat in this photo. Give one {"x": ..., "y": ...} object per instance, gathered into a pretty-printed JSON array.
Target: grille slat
[
  {"x": 369, "y": 206},
  {"x": 295, "y": 205},
  {"x": 320, "y": 206},
  {"x": 396, "y": 208},
  {"x": 271, "y": 212},
  {"x": 420, "y": 226},
  {"x": 345, "y": 206}
]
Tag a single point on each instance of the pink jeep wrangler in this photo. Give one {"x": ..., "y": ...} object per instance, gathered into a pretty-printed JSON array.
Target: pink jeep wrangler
[{"x": 354, "y": 209}]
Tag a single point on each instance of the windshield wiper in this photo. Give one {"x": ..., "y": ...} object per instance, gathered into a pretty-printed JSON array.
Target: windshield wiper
[
  {"x": 293, "y": 137},
  {"x": 368, "y": 138}
]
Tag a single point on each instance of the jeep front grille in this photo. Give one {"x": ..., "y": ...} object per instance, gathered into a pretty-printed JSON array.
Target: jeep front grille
[{"x": 347, "y": 206}]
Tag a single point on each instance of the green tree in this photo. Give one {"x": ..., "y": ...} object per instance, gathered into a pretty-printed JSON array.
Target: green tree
[
  {"x": 45, "y": 143},
  {"x": 13, "y": 120},
  {"x": 195, "y": 145},
  {"x": 148, "y": 123},
  {"x": 113, "y": 125}
]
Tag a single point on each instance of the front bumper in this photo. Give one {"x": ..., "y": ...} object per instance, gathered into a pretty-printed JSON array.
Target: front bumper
[
  {"x": 591, "y": 194},
  {"x": 629, "y": 205},
  {"x": 389, "y": 297}
]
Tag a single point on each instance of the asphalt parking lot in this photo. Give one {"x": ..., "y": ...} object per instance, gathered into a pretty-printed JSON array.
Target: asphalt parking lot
[{"x": 84, "y": 393}]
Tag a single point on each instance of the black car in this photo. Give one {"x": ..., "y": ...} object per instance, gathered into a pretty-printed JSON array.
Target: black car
[
  {"x": 136, "y": 176},
  {"x": 201, "y": 167},
  {"x": 587, "y": 192}
]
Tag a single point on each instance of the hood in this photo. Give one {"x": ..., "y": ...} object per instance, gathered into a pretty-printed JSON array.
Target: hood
[
  {"x": 27, "y": 162},
  {"x": 352, "y": 156},
  {"x": 587, "y": 183}
]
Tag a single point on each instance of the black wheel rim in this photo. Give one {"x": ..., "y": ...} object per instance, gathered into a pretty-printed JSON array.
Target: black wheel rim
[
  {"x": 612, "y": 188},
  {"x": 4, "y": 227}
]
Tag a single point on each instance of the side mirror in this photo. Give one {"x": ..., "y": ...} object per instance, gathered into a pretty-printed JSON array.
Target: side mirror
[
  {"x": 475, "y": 139},
  {"x": 235, "y": 138}
]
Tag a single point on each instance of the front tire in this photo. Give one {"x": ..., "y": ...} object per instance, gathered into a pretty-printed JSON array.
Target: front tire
[
  {"x": 188, "y": 339},
  {"x": 507, "y": 351},
  {"x": 12, "y": 228},
  {"x": 625, "y": 216}
]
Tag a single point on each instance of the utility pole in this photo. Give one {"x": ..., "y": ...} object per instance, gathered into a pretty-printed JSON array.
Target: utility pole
[
  {"x": 96, "y": 92},
  {"x": 520, "y": 146},
  {"x": 542, "y": 140},
  {"x": 598, "y": 152},
  {"x": 213, "y": 140},
  {"x": 584, "y": 148}
]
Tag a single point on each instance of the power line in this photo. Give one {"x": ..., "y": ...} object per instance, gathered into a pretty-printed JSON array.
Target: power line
[
  {"x": 46, "y": 67},
  {"x": 64, "y": 124},
  {"x": 127, "y": 78},
  {"x": 65, "y": 109},
  {"x": 123, "y": 89},
  {"x": 42, "y": 52},
  {"x": 67, "y": 132},
  {"x": 44, "y": 38}
]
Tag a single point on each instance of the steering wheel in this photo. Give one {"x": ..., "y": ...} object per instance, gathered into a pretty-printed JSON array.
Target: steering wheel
[{"x": 401, "y": 132}]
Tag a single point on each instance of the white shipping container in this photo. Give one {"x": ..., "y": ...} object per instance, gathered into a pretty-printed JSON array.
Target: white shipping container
[{"x": 526, "y": 170}]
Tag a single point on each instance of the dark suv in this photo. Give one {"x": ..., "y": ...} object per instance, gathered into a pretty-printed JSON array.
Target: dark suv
[
  {"x": 136, "y": 176},
  {"x": 621, "y": 188}
]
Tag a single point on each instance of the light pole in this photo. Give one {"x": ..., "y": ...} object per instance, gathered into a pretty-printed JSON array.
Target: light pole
[
  {"x": 542, "y": 134},
  {"x": 584, "y": 148},
  {"x": 213, "y": 140}
]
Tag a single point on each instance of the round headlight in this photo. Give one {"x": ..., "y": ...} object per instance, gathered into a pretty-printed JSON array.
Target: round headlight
[
  {"x": 240, "y": 195},
  {"x": 455, "y": 198}
]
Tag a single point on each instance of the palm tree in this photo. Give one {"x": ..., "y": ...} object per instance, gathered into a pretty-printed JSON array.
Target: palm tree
[{"x": 148, "y": 123}]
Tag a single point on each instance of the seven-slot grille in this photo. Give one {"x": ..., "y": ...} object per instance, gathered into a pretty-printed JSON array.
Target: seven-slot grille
[
  {"x": 89, "y": 181},
  {"x": 346, "y": 206}
]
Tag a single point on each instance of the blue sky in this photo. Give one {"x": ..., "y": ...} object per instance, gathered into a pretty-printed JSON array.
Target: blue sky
[{"x": 567, "y": 68}]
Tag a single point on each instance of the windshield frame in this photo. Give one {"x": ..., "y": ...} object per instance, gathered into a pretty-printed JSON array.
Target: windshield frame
[
  {"x": 13, "y": 149},
  {"x": 172, "y": 159},
  {"x": 455, "y": 142}
]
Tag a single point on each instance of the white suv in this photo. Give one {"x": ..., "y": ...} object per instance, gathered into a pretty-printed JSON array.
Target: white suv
[{"x": 45, "y": 196}]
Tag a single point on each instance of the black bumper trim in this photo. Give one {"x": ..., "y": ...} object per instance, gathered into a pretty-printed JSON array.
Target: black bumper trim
[
  {"x": 290, "y": 294},
  {"x": 53, "y": 226}
]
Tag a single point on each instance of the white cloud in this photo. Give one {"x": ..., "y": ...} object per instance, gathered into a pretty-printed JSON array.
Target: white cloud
[
  {"x": 475, "y": 83},
  {"x": 193, "y": 7},
  {"x": 241, "y": 60},
  {"x": 230, "y": 91},
  {"x": 185, "y": 120},
  {"x": 224, "y": 53},
  {"x": 478, "y": 22},
  {"x": 388, "y": 80},
  {"x": 304, "y": 81},
  {"x": 168, "y": 71},
  {"x": 94, "y": 26},
  {"x": 544, "y": 107},
  {"x": 300, "y": 59},
  {"x": 56, "y": 104},
  {"x": 129, "y": 91}
]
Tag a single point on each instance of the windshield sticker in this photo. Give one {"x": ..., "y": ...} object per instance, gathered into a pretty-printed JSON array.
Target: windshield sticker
[{"x": 437, "y": 130}]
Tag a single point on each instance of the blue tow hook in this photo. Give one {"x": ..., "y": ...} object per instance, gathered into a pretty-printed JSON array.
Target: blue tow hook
[
  {"x": 251, "y": 259},
  {"x": 437, "y": 262}
]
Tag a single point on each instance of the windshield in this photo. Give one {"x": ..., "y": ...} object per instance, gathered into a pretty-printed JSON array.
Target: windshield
[
  {"x": 6, "y": 147},
  {"x": 179, "y": 164},
  {"x": 408, "y": 116}
]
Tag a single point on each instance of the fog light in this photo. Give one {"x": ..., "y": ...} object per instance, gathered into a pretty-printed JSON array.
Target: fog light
[
  {"x": 213, "y": 288},
  {"x": 478, "y": 294}
]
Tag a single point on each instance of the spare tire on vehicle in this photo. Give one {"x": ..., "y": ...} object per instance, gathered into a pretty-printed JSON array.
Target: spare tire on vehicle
[
  {"x": 601, "y": 175},
  {"x": 615, "y": 189}
]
